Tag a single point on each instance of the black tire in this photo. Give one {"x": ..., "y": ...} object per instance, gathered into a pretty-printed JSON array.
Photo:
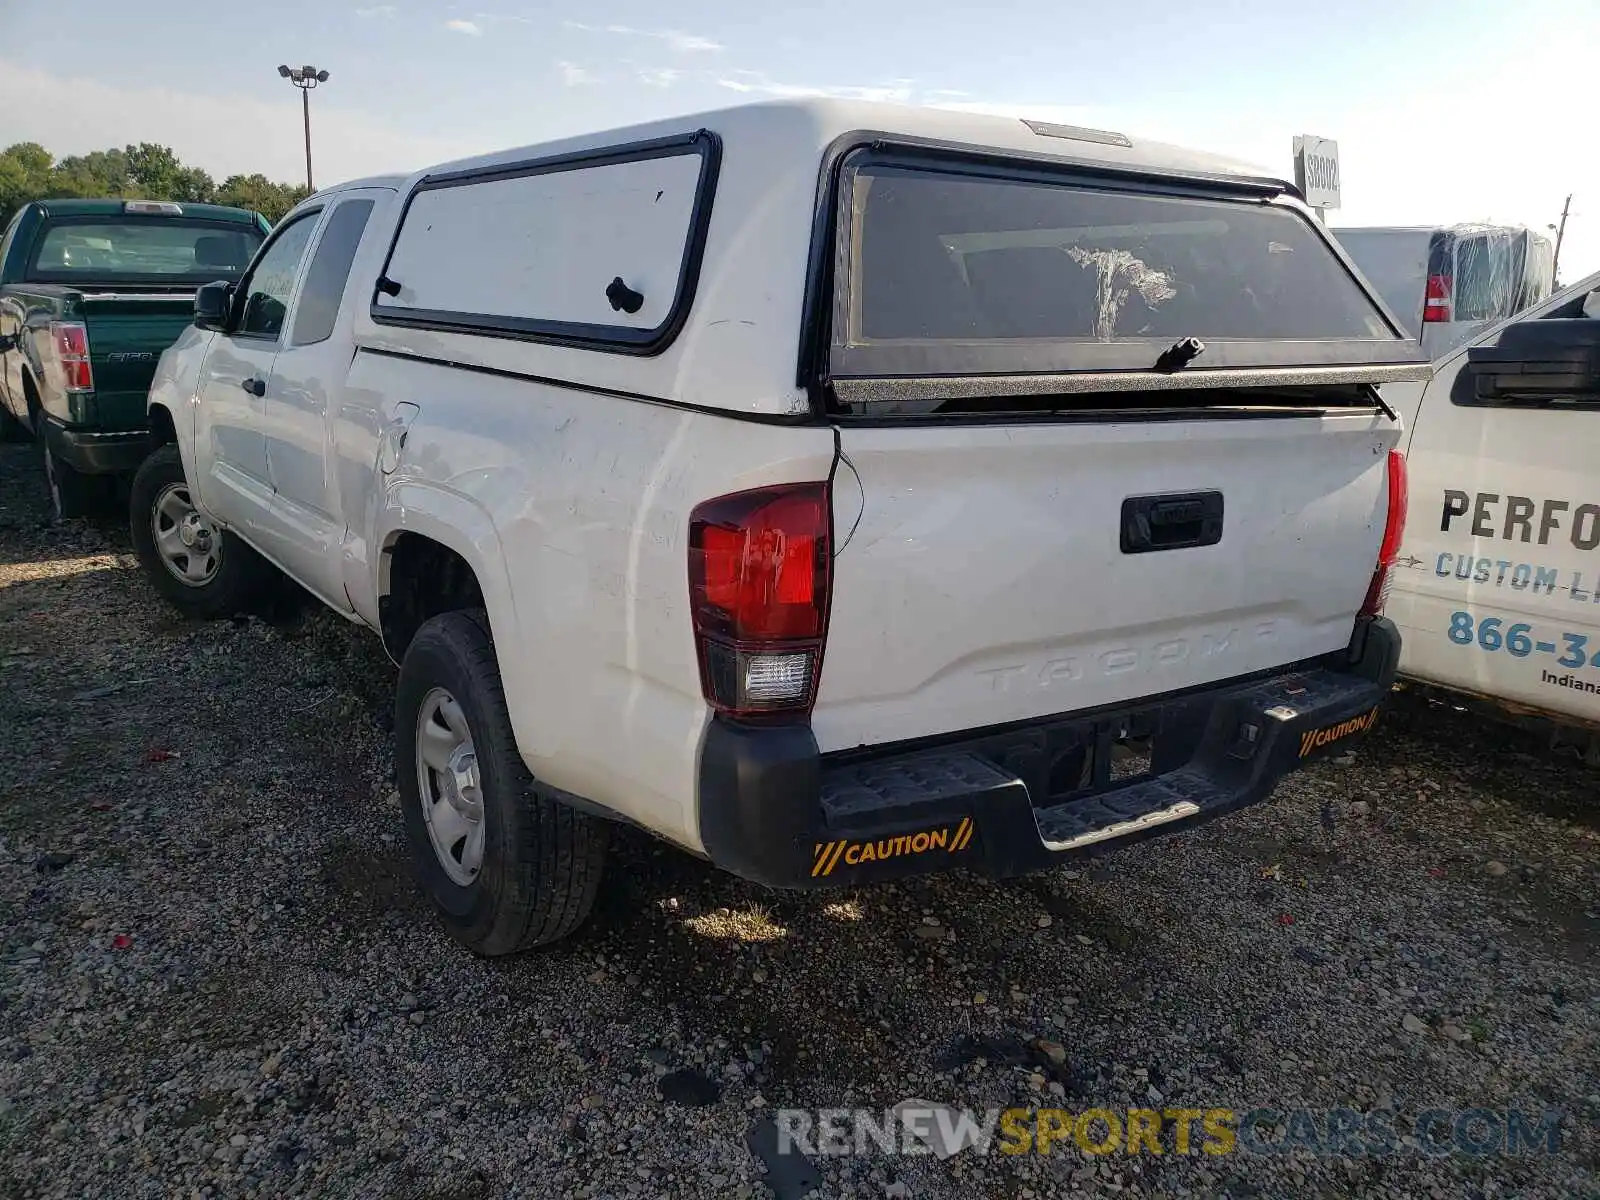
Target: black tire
[
  {"x": 11, "y": 429},
  {"x": 542, "y": 859},
  {"x": 72, "y": 493},
  {"x": 242, "y": 580}
]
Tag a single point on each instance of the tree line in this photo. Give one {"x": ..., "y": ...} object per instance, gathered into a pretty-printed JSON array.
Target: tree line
[{"x": 144, "y": 172}]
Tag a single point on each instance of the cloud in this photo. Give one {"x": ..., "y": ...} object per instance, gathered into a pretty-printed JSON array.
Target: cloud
[
  {"x": 572, "y": 75},
  {"x": 483, "y": 18},
  {"x": 898, "y": 91},
  {"x": 239, "y": 138},
  {"x": 687, "y": 43},
  {"x": 683, "y": 43},
  {"x": 377, "y": 10},
  {"x": 659, "y": 76},
  {"x": 471, "y": 28}
]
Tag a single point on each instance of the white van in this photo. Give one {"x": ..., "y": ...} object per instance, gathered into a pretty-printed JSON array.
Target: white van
[
  {"x": 840, "y": 492},
  {"x": 1447, "y": 283},
  {"x": 1497, "y": 590}
]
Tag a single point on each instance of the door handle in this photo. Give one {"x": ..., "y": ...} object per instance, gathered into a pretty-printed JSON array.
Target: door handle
[
  {"x": 1173, "y": 522},
  {"x": 256, "y": 387}
]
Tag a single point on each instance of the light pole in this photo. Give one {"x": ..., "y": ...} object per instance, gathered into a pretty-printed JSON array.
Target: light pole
[
  {"x": 305, "y": 78},
  {"x": 1561, "y": 232}
]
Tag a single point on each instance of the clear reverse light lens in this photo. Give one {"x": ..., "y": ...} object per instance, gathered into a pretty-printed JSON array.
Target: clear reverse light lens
[{"x": 769, "y": 677}]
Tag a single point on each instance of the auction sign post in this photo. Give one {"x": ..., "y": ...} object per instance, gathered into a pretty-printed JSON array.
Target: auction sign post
[{"x": 1316, "y": 171}]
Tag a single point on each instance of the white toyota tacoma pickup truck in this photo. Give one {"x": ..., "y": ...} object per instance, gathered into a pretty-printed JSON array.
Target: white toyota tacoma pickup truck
[{"x": 838, "y": 491}]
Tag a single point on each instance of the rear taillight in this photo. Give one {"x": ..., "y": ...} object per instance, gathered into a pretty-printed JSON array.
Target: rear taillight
[
  {"x": 1394, "y": 532},
  {"x": 1436, "y": 300},
  {"x": 71, "y": 344},
  {"x": 759, "y": 577}
]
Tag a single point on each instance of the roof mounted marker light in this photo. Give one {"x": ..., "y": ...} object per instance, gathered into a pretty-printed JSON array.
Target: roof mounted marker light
[{"x": 1076, "y": 133}]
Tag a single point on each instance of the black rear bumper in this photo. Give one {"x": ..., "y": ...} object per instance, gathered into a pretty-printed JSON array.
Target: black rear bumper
[
  {"x": 97, "y": 452},
  {"x": 774, "y": 810}
]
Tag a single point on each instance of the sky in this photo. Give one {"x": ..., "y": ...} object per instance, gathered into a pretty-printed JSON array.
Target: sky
[{"x": 1444, "y": 112}]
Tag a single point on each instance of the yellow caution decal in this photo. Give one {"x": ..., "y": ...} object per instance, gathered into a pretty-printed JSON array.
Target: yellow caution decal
[
  {"x": 1316, "y": 739},
  {"x": 828, "y": 855}
]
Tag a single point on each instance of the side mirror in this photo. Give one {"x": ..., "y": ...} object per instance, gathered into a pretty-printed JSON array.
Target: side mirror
[
  {"x": 212, "y": 304},
  {"x": 1539, "y": 360}
]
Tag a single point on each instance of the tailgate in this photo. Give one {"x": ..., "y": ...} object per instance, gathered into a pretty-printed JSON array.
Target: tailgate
[
  {"x": 127, "y": 335},
  {"x": 983, "y": 575}
]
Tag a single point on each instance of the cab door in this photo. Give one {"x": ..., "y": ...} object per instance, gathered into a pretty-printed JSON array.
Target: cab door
[
  {"x": 230, "y": 443},
  {"x": 1498, "y": 592},
  {"x": 306, "y": 527}
]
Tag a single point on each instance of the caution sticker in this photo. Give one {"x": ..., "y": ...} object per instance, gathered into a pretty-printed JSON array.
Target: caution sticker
[
  {"x": 1316, "y": 739},
  {"x": 951, "y": 839}
]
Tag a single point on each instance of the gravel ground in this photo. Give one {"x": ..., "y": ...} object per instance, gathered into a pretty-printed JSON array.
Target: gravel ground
[{"x": 216, "y": 978}]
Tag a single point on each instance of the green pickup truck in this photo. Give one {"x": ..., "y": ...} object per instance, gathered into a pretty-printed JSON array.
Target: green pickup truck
[{"x": 91, "y": 293}]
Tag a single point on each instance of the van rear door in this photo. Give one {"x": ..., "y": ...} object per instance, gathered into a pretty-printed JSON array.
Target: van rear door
[{"x": 1047, "y": 501}]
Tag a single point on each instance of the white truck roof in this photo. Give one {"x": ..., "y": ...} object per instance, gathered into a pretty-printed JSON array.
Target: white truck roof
[{"x": 803, "y": 125}]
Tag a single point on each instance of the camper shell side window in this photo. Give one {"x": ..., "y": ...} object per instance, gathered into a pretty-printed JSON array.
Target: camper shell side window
[{"x": 599, "y": 250}]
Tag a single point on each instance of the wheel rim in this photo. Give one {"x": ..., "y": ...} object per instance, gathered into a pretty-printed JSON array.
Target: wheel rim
[
  {"x": 451, "y": 791},
  {"x": 190, "y": 548}
]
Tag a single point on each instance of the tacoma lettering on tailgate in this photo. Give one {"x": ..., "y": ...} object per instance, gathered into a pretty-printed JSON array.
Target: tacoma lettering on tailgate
[{"x": 1070, "y": 668}]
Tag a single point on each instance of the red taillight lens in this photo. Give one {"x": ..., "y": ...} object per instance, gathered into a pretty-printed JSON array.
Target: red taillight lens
[
  {"x": 1394, "y": 532},
  {"x": 1436, "y": 300},
  {"x": 759, "y": 575},
  {"x": 71, "y": 343}
]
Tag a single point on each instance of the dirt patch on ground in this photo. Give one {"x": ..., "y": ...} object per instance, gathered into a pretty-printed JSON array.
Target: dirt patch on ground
[{"x": 216, "y": 974}]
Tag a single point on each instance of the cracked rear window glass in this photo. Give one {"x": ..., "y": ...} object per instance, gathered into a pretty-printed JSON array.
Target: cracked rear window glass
[{"x": 952, "y": 258}]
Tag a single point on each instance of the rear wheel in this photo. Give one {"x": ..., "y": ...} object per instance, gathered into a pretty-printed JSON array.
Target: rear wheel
[
  {"x": 72, "y": 493},
  {"x": 201, "y": 570},
  {"x": 11, "y": 429},
  {"x": 507, "y": 866}
]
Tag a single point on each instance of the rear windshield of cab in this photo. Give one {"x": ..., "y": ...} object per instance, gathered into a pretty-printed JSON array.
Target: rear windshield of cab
[
  {"x": 960, "y": 271},
  {"x": 156, "y": 250}
]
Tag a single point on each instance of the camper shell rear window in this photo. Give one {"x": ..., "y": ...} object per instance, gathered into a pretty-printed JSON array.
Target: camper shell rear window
[
  {"x": 599, "y": 250},
  {"x": 955, "y": 268}
]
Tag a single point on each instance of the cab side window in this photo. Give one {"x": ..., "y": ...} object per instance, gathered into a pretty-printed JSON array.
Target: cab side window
[
  {"x": 9, "y": 236},
  {"x": 330, "y": 268},
  {"x": 271, "y": 282}
]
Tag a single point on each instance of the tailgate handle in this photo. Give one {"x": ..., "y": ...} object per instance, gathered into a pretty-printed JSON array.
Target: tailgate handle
[{"x": 1173, "y": 522}]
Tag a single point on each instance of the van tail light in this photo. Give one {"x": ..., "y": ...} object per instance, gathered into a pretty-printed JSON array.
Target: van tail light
[
  {"x": 70, "y": 341},
  {"x": 1436, "y": 300},
  {"x": 1394, "y": 532},
  {"x": 760, "y": 573}
]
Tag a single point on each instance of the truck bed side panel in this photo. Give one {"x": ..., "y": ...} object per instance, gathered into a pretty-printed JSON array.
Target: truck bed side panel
[{"x": 583, "y": 504}]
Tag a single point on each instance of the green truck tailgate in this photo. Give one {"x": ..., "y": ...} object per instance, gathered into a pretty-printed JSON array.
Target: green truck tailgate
[{"x": 127, "y": 334}]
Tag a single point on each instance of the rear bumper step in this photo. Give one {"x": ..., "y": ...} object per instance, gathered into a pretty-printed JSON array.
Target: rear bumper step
[{"x": 773, "y": 810}]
